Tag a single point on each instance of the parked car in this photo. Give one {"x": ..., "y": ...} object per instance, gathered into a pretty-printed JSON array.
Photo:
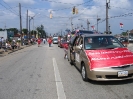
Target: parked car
[
  {"x": 60, "y": 44},
  {"x": 100, "y": 57},
  {"x": 130, "y": 39},
  {"x": 123, "y": 39}
]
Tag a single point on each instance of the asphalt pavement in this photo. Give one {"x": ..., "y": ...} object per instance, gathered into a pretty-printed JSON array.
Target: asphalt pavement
[{"x": 43, "y": 73}]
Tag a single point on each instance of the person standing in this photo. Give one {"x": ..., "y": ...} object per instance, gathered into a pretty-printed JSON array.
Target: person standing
[
  {"x": 50, "y": 41},
  {"x": 39, "y": 41},
  {"x": 13, "y": 44}
]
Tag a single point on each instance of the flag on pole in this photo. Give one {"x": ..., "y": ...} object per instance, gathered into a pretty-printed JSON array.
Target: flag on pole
[
  {"x": 121, "y": 26},
  {"x": 93, "y": 28}
]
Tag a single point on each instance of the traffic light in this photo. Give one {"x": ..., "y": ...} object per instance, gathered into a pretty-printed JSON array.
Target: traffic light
[
  {"x": 74, "y": 10},
  {"x": 50, "y": 15}
]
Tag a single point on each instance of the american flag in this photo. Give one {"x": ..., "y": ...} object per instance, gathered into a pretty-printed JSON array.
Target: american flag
[
  {"x": 92, "y": 27},
  {"x": 121, "y": 26}
]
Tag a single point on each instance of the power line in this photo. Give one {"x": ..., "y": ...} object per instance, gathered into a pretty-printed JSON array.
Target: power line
[
  {"x": 9, "y": 6},
  {"x": 122, "y": 15},
  {"x": 9, "y": 9},
  {"x": 67, "y": 3},
  {"x": 122, "y": 8},
  {"x": 62, "y": 8}
]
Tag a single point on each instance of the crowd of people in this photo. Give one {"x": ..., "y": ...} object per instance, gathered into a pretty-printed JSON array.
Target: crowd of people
[
  {"x": 16, "y": 43},
  {"x": 9, "y": 45}
]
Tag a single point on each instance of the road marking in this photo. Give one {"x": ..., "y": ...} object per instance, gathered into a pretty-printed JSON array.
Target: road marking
[{"x": 59, "y": 85}]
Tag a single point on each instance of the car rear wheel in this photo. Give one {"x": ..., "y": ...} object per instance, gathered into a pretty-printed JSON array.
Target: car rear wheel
[{"x": 84, "y": 73}]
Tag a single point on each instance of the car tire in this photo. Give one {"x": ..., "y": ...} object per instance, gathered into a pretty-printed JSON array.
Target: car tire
[{"x": 83, "y": 72}]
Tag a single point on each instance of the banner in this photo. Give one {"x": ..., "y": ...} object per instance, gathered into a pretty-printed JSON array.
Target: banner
[
  {"x": 109, "y": 58},
  {"x": 121, "y": 26}
]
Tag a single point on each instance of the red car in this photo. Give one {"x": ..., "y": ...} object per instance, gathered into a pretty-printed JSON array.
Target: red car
[{"x": 60, "y": 44}]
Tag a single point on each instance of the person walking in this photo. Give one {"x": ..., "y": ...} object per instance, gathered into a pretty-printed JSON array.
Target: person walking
[
  {"x": 44, "y": 40},
  {"x": 39, "y": 41},
  {"x": 50, "y": 41},
  {"x": 65, "y": 46}
]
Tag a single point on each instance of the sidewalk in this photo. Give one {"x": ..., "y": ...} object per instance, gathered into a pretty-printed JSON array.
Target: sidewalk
[
  {"x": 4, "y": 53},
  {"x": 130, "y": 46}
]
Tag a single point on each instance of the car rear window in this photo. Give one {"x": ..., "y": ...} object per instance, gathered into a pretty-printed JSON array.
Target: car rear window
[{"x": 104, "y": 42}]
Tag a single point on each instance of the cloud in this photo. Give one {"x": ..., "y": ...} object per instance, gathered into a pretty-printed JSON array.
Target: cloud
[
  {"x": 65, "y": 3},
  {"x": 20, "y": 1},
  {"x": 62, "y": 11}
]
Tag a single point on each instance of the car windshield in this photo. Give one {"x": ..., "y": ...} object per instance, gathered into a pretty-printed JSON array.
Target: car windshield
[
  {"x": 55, "y": 39},
  {"x": 101, "y": 42}
]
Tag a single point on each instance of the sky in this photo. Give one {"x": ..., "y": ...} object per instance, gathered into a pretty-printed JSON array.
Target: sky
[{"x": 120, "y": 11}]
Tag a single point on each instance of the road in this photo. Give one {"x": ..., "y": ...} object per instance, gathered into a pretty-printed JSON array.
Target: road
[{"x": 43, "y": 73}]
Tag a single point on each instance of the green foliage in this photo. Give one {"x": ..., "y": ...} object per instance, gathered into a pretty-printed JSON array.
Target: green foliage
[
  {"x": 25, "y": 31},
  {"x": 1, "y": 29},
  {"x": 40, "y": 29},
  {"x": 124, "y": 33}
]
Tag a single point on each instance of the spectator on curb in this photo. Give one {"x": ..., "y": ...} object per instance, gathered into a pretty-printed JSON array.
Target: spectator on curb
[
  {"x": 13, "y": 45},
  {"x": 8, "y": 46}
]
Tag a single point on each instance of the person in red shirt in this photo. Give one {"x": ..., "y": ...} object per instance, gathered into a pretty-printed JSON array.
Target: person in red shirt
[
  {"x": 39, "y": 41},
  {"x": 50, "y": 41}
]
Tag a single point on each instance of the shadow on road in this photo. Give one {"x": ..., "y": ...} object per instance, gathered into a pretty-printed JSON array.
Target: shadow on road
[{"x": 122, "y": 82}]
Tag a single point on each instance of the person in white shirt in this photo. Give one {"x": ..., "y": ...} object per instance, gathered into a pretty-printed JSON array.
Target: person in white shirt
[{"x": 44, "y": 40}]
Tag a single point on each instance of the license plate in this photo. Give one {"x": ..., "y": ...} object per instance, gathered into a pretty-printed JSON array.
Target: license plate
[{"x": 122, "y": 73}]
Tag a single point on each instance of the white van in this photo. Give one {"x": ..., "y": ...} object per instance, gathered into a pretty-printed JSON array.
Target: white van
[{"x": 55, "y": 40}]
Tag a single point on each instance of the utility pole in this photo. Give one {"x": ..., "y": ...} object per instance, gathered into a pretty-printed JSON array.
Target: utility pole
[
  {"x": 97, "y": 22},
  {"x": 71, "y": 23},
  {"x": 33, "y": 27},
  {"x": 29, "y": 27},
  {"x": 107, "y": 23},
  {"x": 88, "y": 24},
  {"x": 20, "y": 23},
  {"x": 27, "y": 21}
]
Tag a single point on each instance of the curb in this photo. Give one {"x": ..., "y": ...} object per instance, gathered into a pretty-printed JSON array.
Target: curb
[{"x": 3, "y": 53}]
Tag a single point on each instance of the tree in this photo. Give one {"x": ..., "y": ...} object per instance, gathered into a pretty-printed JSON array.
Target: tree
[
  {"x": 124, "y": 33},
  {"x": 1, "y": 29},
  {"x": 25, "y": 31},
  {"x": 41, "y": 30},
  {"x": 33, "y": 32}
]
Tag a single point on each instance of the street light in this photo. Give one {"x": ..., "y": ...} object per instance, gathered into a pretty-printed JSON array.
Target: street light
[
  {"x": 30, "y": 18},
  {"x": 98, "y": 19},
  {"x": 33, "y": 21},
  {"x": 87, "y": 23}
]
